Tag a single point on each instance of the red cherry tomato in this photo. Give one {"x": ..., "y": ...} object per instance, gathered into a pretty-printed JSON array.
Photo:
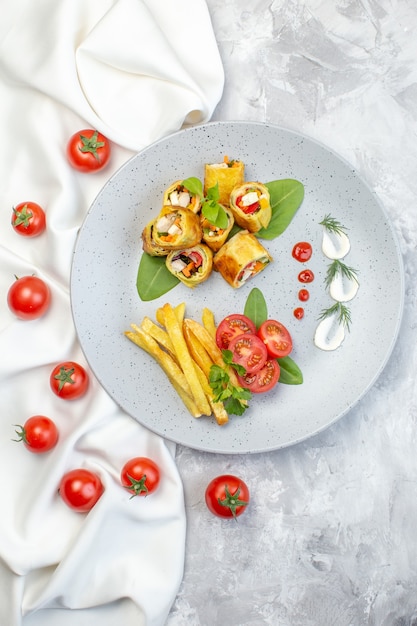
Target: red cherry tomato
[
  {"x": 80, "y": 489},
  {"x": 249, "y": 351},
  {"x": 276, "y": 338},
  {"x": 140, "y": 476},
  {"x": 69, "y": 380},
  {"x": 230, "y": 327},
  {"x": 28, "y": 219},
  {"x": 29, "y": 297},
  {"x": 264, "y": 380},
  {"x": 39, "y": 434},
  {"x": 88, "y": 150},
  {"x": 227, "y": 496}
]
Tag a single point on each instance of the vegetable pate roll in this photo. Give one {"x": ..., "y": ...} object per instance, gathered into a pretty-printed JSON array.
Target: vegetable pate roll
[
  {"x": 177, "y": 228},
  {"x": 251, "y": 206},
  {"x": 240, "y": 258},
  {"x": 148, "y": 244},
  {"x": 228, "y": 175},
  {"x": 191, "y": 265},
  {"x": 178, "y": 195},
  {"x": 214, "y": 236}
]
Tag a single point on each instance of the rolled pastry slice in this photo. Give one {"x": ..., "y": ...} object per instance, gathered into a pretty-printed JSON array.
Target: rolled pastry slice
[
  {"x": 251, "y": 207},
  {"x": 241, "y": 258},
  {"x": 148, "y": 244},
  {"x": 191, "y": 265},
  {"x": 214, "y": 236},
  {"x": 176, "y": 228},
  {"x": 228, "y": 175},
  {"x": 179, "y": 196}
]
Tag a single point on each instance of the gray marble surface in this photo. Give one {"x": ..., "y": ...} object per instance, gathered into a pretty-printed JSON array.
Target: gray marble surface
[{"x": 330, "y": 536}]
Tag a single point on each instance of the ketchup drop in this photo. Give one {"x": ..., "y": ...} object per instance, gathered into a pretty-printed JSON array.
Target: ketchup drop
[
  {"x": 303, "y": 295},
  {"x": 302, "y": 251},
  {"x": 306, "y": 276},
  {"x": 299, "y": 313}
]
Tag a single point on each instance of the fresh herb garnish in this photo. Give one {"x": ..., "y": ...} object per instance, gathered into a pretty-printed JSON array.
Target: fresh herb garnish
[
  {"x": 333, "y": 225},
  {"x": 337, "y": 267},
  {"x": 234, "y": 398},
  {"x": 210, "y": 207},
  {"x": 341, "y": 311}
]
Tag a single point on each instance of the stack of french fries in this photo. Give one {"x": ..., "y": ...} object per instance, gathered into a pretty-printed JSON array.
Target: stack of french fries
[{"x": 186, "y": 350}]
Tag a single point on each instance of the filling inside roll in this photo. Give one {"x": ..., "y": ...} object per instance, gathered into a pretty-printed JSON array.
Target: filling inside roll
[
  {"x": 214, "y": 236},
  {"x": 148, "y": 244},
  {"x": 178, "y": 195},
  {"x": 251, "y": 206},
  {"x": 175, "y": 229},
  {"x": 241, "y": 258},
  {"x": 191, "y": 265}
]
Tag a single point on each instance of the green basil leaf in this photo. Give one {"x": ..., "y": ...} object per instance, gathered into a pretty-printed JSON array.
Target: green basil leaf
[
  {"x": 194, "y": 186},
  {"x": 286, "y": 197},
  {"x": 210, "y": 211},
  {"x": 290, "y": 372},
  {"x": 255, "y": 307},
  {"x": 213, "y": 193},
  {"x": 153, "y": 278}
]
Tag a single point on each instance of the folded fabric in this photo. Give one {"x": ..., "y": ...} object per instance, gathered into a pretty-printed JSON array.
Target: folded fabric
[
  {"x": 135, "y": 70},
  {"x": 138, "y": 69}
]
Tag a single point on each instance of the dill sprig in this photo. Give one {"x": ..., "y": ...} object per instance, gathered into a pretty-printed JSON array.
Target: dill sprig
[
  {"x": 338, "y": 266},
  {"x": 333, "y": 225},
  {"x": 342, "y": 312}
]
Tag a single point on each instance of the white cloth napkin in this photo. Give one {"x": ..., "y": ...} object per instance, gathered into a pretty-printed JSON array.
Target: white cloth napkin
[{"x": 135, "y": 70}]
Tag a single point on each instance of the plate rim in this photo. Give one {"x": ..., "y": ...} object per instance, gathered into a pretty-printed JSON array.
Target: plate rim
[{"x": 335, "y": 155}]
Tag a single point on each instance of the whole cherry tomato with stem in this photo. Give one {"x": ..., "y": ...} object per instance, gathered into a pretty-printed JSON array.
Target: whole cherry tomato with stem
[
  {"x": 140, "y": 475},
  {"x": 69, "y": 380},
  {"x": 29, "y": 297},
  {"x": 39, "y": 434},
  {"x": 28, "y": 219},
  {"x": 80, "y": 489},
  {"x": 88, "y": 150},
  {"x": 227, "y": 496}
]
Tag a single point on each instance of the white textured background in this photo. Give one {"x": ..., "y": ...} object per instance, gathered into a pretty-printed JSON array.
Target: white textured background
[{"x": 330, "y": 537}]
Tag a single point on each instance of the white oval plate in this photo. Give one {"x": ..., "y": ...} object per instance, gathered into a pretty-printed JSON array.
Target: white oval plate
[{"x": 105, "y": 300}]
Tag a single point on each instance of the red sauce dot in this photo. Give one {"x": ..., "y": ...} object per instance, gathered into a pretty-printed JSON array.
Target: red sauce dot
[
  {"x": 303, "y": 295},
  {"x": 299, "y": 313},
  {"x": 306, "y": 276},
  {"x": 302, "y": 251}
]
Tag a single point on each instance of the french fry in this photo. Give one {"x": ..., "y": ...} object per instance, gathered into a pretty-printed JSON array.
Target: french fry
[
  {"x": 180, "y": 312},
  {"x": 197, "y": 350},
  {"x": 158, "y": 333},
  {"x": 170, "y": 367},
  {"x": 184, "y": 358},
  {"x": 210, "y": 345},
  {"x": 218, "y": 409},
  {"x": 206, "y": 340},
  {"x": 208, "y": 321}
]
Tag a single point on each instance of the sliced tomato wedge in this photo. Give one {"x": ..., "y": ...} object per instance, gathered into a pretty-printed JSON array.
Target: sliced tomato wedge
[
  {"x": 264, "y": 380},
  {"x": 276, "y": 337},
  {"x": 232, "y": 326},
  {"x": 249, "y": 351}
]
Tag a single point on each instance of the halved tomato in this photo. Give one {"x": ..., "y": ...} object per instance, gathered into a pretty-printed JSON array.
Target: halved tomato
[
  {"x": 249, "y": 351},
  {"x": 264, "y": 380},
  {"x": 232, "y": 326},
  {"x": 276, "y": 338}
]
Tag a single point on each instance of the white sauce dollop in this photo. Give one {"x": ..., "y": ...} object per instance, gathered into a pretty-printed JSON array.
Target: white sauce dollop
[
  {"x": 329, "y": 333},
  {"x": 342, "y": 288},
  {"x": 335, "y": 245}
]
